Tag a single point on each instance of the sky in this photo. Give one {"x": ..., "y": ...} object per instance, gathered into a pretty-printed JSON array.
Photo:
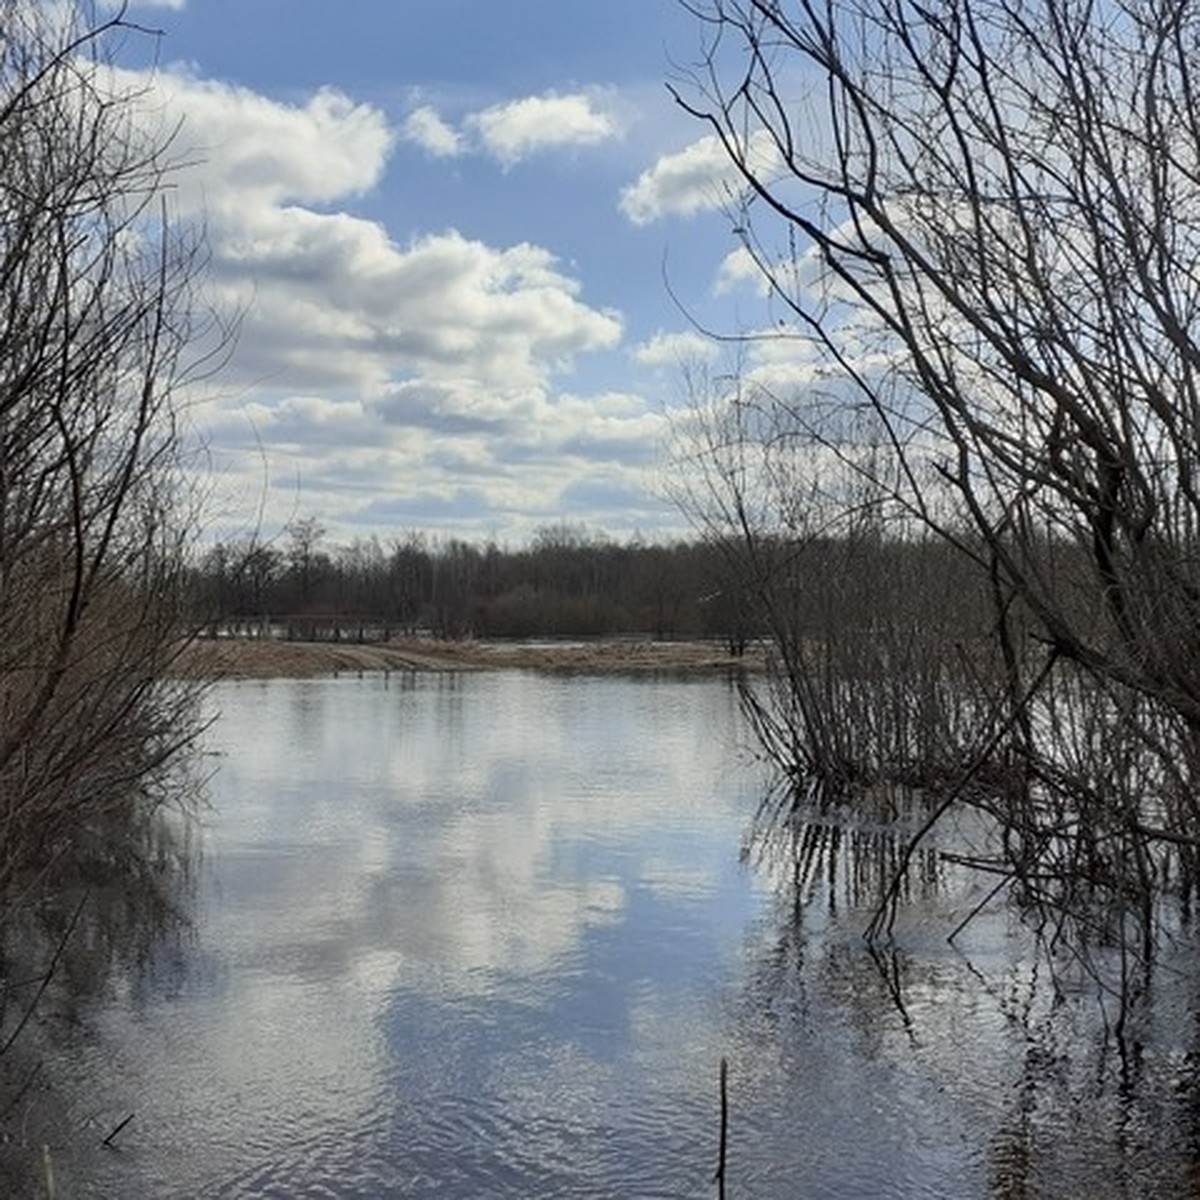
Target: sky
[{"x": 470, "y": 242}]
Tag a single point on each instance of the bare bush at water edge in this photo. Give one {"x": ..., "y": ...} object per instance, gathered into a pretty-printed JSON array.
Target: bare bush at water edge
[
  {"x": 976, "y": 226},
  {"x": 97, "y": 314}
]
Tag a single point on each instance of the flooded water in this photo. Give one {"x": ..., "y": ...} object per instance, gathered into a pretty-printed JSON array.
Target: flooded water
[{"x": 490, "y": 935}]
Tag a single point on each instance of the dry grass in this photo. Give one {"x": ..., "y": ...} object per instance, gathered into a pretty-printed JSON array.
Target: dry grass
[{"x": 266, "y": 659}]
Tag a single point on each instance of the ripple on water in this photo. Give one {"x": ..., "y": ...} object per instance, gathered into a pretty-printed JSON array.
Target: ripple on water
[{"x": 492, "y": 940}]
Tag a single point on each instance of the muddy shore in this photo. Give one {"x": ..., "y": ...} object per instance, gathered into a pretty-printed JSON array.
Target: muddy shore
[{"x": 241, "y": 658}]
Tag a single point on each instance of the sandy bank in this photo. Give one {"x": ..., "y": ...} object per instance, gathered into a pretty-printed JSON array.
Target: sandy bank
[{"x": 265, "y": 659}]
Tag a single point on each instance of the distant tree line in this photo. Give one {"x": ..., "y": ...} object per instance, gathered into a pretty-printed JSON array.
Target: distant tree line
[{"x": 565, "y": 582}]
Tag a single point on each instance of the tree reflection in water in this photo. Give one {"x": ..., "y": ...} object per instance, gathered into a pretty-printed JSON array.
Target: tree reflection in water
[
  {"x": 1074, "y": 1082},
  {"x": 119, "y": 922}
]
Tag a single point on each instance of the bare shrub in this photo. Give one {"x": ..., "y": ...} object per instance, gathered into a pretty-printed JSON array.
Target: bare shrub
[
  {"x": 978, "y": 224},
  {"x": 96, "y": 315}
]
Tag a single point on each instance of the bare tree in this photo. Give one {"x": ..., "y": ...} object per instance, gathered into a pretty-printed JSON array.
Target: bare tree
[
  {"x": 985, "y": 219},
  {"x": 304, "y": 558},
  {"x": 96, "y": 312}
]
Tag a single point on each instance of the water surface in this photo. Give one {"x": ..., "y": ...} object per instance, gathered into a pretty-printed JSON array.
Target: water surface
[{"x": 489, "y": 935}]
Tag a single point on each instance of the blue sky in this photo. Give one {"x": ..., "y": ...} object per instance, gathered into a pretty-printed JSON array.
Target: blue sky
[{"x": 447, "y": 224}]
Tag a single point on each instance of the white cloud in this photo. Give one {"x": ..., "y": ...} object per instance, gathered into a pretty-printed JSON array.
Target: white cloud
[
  {"x": 332, "y": 300},
  {"x": 737, "y": 268},
  {"x": 250, "y": 151},
  {"x": 514, "y": 131},
  {"x": 675, "y": 349},
  {"x": 697, "y": 178},
  {"x": 701, "y": 177},
  {"x": 425, "y": 127},
  {"x": 397, "y": 382}
]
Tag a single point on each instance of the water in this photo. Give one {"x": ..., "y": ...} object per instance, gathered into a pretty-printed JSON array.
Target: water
[{"x": 489, "y": 935}]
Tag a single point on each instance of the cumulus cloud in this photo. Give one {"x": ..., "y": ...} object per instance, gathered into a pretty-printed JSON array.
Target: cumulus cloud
[
  {"x": 371, "y": 368},
  {"x": 514, "y": 131},
  {"x": 248, "y": 152},
  {"x": 739, "y": 268},
  {"x": 332, "y": 297},
  {"x": 675, "y": 349},
  {"x": 425, "y": 127},
  {"x": 698, "y": 178}
]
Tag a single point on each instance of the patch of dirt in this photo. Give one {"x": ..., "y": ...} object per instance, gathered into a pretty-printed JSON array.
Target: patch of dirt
[{"x": 247, "y": 658}]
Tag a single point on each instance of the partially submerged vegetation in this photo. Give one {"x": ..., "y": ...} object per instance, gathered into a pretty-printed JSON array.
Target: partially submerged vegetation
[
  {"x": 981, "y": 264},
  {"x": 97, "y": 318}
]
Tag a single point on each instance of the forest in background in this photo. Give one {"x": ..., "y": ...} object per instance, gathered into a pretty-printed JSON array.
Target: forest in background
[{"x": 566, "y": 582}]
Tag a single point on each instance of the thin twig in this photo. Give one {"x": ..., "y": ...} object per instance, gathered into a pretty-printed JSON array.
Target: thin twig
[{"x": 108, "y": 1141}]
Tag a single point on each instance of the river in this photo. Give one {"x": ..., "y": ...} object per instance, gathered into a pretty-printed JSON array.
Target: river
[{"x": 491, "y": 934}]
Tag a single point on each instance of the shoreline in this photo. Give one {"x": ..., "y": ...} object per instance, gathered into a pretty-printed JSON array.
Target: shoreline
[{"x": 254, "y": 658}]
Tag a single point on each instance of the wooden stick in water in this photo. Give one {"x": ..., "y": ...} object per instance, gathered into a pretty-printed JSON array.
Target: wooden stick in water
[
  {"x": 108, "y": 1141},
  {"x": 719, "y": 1177}
]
